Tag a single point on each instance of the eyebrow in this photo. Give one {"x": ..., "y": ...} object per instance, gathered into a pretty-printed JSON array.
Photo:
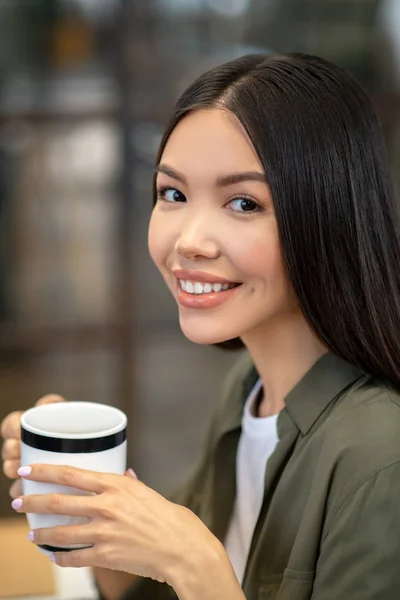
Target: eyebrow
[{"x": 222, "y": 181}]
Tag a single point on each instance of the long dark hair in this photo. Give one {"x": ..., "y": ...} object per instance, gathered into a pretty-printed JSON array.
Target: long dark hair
[{"x": 321, "y": 146}]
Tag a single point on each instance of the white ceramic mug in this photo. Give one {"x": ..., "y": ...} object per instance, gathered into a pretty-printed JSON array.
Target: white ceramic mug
[{"x": 86, "y": 435}]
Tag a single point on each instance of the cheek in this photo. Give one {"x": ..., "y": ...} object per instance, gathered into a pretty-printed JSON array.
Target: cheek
[
  {"x": 260, "y": 257},
  {"x": 159, "y": 240}
]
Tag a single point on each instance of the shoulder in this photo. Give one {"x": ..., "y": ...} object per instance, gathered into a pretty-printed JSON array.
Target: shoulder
[
  {"x": 368, "y": 413},
  {"x": 362, "y": 434},
  {"x": 357, "y": 445}
]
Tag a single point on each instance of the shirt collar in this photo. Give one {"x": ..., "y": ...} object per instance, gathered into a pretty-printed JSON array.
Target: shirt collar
[
  {"x": 324, "y": 382},
  {"x": 306, "y": 402}
]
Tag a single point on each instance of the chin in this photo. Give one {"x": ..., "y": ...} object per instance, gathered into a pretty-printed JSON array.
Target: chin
[{"x": 204, "y": 336}]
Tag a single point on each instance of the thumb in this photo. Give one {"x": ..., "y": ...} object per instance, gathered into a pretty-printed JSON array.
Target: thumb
[
  {"x": 131, "y": 473},
  {"x": 50, "y": 399}
]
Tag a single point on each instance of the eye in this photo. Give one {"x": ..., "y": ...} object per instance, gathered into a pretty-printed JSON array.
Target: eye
[
  {"x": 244, "y": 205},
  {"x": 170, "y": 195}
]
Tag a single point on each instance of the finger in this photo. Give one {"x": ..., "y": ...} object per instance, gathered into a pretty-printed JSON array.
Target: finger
[
  {"x": 50, "y": 399},
  {"x": 16, "y": 489},
  {"x": 56, "y": 504},
  {"x": 10, "y": 449},
  {"x": 10, "y": 468},
  {"x": 11, "y": 425},
  {"x": 87, "y": 557},
  {"x": 82, "y": 479},
  {"x": 63, "y": 536},
  {"x": 131, "y": 473}
]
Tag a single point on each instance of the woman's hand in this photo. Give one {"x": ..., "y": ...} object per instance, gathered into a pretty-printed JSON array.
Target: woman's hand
[
  {"x": 132, "y": 528},
  {"x": 10, "y": 431}
]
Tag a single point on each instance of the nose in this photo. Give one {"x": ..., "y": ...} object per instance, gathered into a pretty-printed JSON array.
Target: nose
[{"x": 196, "y": 240}]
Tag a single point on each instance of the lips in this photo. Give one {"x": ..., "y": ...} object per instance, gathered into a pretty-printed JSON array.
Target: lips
[
  {"x": 201, "y": 277},
  {"x": 205, "y": 300}
]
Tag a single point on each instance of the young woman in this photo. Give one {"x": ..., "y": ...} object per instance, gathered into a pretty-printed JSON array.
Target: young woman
[{"x": 275, "y": 228}]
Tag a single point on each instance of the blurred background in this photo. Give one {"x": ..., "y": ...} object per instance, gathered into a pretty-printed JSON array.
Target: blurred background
[{"x": 85, "y": 89}]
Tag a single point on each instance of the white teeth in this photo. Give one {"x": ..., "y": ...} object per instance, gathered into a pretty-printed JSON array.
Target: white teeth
[{"x": 196, "y": 287}]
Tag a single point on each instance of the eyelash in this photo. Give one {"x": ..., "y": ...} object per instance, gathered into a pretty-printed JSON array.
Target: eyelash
[{"x": 161, "y": 197}]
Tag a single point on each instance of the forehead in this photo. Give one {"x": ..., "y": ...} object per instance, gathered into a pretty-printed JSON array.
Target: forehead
[{"x": 210, "y": 140}]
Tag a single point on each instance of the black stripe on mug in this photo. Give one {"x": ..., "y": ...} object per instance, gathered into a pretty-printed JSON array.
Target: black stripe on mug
[{"x": 72, "y": 446}]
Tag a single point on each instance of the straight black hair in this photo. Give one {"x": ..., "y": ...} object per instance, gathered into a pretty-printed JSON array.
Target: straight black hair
[{"x": 322, "y": 149}]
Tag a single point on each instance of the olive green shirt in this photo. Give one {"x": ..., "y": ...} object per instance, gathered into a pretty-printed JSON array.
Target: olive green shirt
[{"x": 329, "y": 526}]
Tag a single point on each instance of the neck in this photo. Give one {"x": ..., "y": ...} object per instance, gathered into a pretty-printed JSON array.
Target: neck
[{"x": 283, "y": 351}]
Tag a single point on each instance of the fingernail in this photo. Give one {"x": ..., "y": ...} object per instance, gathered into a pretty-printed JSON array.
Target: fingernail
[
  {"x": 52, "y": 558},
  {"x": 31, "y": 536},
  {"x": 17, "y": 503},
  {"x": 132, "y": 472},
  {"x": 24, "y": 471}
]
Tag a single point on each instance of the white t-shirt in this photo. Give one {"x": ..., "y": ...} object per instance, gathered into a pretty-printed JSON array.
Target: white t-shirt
[{"x": 257, "y": 442}]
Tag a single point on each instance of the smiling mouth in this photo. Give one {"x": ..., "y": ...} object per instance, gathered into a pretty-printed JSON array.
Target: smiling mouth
[{"x": 199, "y": 288}]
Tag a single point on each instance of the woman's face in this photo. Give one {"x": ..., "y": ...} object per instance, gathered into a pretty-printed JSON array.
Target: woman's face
[{"x": 213, "y": 233}]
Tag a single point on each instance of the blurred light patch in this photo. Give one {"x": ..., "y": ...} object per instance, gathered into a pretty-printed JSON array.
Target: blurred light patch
[
  {"x": 93, "y": 8},
  {"x": 145, "y": 139},
  {"x": 389, "y": 21},
  {"x": 181, "y": 6},
  {"x": 229, "y": 8}
]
